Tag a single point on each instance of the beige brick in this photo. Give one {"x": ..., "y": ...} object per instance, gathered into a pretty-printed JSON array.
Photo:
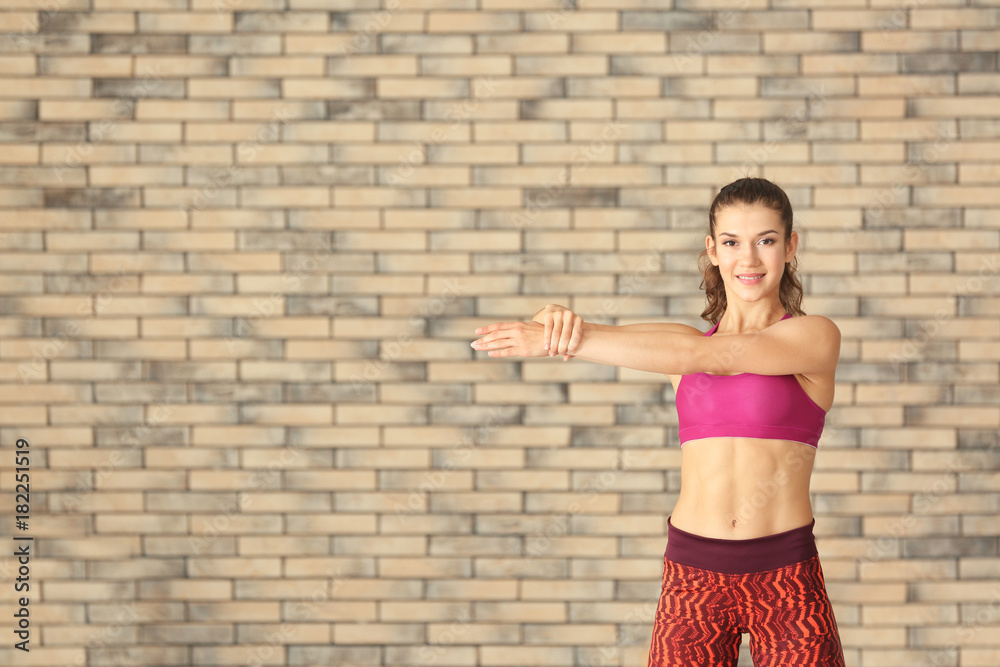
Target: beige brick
[
  {"x": 18, "y": 65},
  {"x": 359, "y": 524},
  {"x": 727, "y": 65},
  {"x": 977, "y": 173},
  {"x": 591, "y": 502},
  {"x": 275, "y": 545},
  {"x": 920, "y": 130},
  {"x": 26, "y": 22},
  {"x": 521, "y": 612},
  {"x": 905, "y": 41},
  {"x": 523, "y": 43},
  {"x": 82, "y": 110},
  {"x": 46, "y": 87},
  {"x": 185, "y": 22},
  {"x": 939, "y": 19},
  {"x": 911, "y": 84},
  {"x": 424, "y": 86},
  {"x": 188, "y": 110},
  {"x": 561, "y": 65},
  {"x": 915, "y": 239},
  {"x": 382, "y": 633},
  {"x": 616, "y": 42},
  {"x": 22, "y": 154},
  {"x": 563, "y": 546},
  {"x": 421, "y": 567},
  {"x": 340, "y": 44},
  {"x": 472, "y": 21},
  {"x": 968, "y": 106},
  {"x": 526, "y": 655}
]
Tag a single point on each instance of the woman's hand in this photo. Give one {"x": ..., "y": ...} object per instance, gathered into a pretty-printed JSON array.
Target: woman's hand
[
  {"x": 559, "y": 334},
  {"x": 563, "y": 330},
  {"x": 512, "y": 339},
  {"x": 551, "y": 308}
]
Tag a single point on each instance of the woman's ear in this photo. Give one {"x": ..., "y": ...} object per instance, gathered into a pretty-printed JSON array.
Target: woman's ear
[
  {"x": 793, "y": 245},
  {"x": 710, "y": 249}
]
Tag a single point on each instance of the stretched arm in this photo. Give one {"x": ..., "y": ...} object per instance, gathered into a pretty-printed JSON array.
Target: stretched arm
[
  {"x": 801, "y": 345},
  {"x": 563, "y": 329}
]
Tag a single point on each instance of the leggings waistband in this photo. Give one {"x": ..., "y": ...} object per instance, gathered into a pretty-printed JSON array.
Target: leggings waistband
[{"x": 757, "y": 554}]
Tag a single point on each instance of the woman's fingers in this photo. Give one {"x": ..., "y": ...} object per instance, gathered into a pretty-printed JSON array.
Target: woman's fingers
[
  {"x": 511, "y": 339},
  {"x": 496, "y": 326},
  {"x": 554, "y": 336},
  {"x": 492, "y": 342},
  {"x": 552, "y": 340},
  {"x": 565, "y": 332},
  {"x": 574, "y": 341}
]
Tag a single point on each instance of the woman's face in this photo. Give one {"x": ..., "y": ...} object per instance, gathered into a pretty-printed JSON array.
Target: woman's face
[{"x": 750, "y": 250}]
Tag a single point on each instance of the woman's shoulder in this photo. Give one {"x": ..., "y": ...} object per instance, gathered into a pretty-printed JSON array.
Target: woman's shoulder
[
  {"x": 811, "y": 323},
  {"x": 818, "y": 331}
]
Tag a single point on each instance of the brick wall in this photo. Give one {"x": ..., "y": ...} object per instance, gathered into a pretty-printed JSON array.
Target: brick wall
[{"x": 245, "y": 244}]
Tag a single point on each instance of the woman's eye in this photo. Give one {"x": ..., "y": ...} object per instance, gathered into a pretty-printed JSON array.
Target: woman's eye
[
  {"x": 767, "y": 241},
  {"x": 729, "y": 243}
]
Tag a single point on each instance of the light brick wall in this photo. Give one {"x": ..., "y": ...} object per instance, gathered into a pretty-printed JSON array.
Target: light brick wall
[{"x": 245, "y": 244}]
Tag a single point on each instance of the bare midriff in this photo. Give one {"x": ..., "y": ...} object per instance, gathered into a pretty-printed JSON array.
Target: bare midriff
[{"x": 742, "y": 488}]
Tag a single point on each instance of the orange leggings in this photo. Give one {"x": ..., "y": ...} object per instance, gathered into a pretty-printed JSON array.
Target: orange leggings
[{"x": 702, "y": 613}]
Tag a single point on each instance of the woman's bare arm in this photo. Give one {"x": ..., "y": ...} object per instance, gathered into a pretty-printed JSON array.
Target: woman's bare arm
[
  {"x": 563, "y": 328},
  {"x": 802, "y": 345}
]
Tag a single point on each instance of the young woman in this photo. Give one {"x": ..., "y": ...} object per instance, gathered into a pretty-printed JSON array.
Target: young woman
[{"x": 752, "y": 396}]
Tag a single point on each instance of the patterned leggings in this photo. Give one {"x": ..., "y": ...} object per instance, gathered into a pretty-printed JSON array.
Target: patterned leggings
[{"x": 701, "y": 615}]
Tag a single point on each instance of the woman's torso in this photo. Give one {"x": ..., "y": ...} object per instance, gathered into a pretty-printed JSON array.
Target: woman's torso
[{"x": 742, "y": 487}]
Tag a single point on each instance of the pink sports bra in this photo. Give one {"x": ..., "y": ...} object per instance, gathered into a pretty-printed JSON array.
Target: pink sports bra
[{"x": 747, "y": 405}]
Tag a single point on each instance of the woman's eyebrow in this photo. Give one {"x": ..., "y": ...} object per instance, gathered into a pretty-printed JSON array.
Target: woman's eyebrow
[{"x": 770, "y": 231}]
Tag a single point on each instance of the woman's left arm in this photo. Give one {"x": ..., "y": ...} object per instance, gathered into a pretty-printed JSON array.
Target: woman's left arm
[{"x": 802, "y": 345}]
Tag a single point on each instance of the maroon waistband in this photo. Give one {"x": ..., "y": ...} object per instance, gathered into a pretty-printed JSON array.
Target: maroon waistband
[{"x": 757, "y": 554}]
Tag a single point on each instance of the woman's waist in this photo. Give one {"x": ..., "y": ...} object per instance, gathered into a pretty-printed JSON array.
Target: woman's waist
[
  {"x": 740, "y": 555},
  {"x": 729, "y": 515}
]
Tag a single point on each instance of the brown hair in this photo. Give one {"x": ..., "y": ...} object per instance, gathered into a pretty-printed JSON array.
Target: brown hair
[{"x": 749, "y": 192}]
